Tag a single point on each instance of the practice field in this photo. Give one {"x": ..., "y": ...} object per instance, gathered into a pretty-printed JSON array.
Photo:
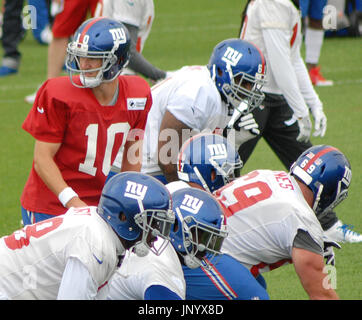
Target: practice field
[{"x": 184, "y": 33}]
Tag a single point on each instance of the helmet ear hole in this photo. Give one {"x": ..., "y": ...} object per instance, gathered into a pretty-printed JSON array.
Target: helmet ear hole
[
  {"x": 175, "y": 226},
  {"x": 219, "y": 72},
  {"x": 213, "y": 175},
  {"x": 122, "y": 217}
]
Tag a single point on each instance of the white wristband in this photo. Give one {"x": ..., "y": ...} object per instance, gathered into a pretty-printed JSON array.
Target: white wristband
[{"x": 66, "y": 194}]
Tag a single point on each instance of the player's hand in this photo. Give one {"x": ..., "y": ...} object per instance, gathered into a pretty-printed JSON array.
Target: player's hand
[
  {"x": 305, "y": 128},
  {"x": 244, "y": 127},
  {"x": 248, "y": 122},
  {"x": 329, "y": 254},
  {"x": 320, "y": 121},
  {"x": 76, "y": 203}
]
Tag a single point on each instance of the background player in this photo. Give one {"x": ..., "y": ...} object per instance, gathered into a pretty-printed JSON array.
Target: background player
[
  {"x": 312, "y": 18},
  {"x": 137, "y": 17},
  {"x": 73, "y": 256},
  {"x": 68, "y": 16},
  {"x": 80, "y": 122},
  {"x": 284, "y": 123}
]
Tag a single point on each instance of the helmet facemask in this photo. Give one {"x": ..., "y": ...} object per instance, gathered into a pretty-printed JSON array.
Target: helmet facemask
[
  {"x": 227, "y": 169},
  {"x": 237, "y": 92},
  {"x": 199, "y": 240},
  {"x": 153, "y": 223},
  {"x": 321, "y": 199}
]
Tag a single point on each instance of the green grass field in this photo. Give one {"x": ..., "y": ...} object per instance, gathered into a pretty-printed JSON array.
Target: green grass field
[{"x": 185, "y": 32}]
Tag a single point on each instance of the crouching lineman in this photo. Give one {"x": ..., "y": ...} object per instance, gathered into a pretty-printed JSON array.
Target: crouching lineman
[
  {"x": 72, "y": 256},
  {"x": 194, "y": 257},
  {"x": 273, "y": 216}
]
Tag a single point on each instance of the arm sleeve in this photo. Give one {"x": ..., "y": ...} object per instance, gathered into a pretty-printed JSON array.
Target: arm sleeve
[
  {"x": 304, "y": 241},
  {"x": 305, "y": 85},
  {"x": 190, "y": 103},
  {"x": 77, "y": 283},
  {"x": 157, "y": 292},
  {"x": 280, "y": 62},
  {"x": 137, "y": 61},
  {"x": 47, "y": 119}
]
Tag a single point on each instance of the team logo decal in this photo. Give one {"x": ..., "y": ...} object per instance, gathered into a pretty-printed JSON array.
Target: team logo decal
[
  {"x": 231, "y": 56},
  {"x": 217, "y": 151},
  {"x": 135, "y": 190},
  {"x": 118, "y": 35},
  {"x": 191, "y": 204}
]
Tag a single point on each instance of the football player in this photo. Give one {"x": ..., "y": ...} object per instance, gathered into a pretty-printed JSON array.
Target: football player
[
  {"x": 283, "y": 121},
  {"x": 273, "y": 216},
  {"x": 72, "y": 256},
  {"x": 80, "y": 122},
  {"x": 198, "y": 98},
  {"x": 137, "y": 17},
  {"x": 196, "y": 238},
  {"x": 312, "y": 17},
  {"x": 184, "y": 264}
]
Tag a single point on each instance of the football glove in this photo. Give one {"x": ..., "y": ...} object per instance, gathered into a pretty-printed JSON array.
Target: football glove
[
  {"x": 305, "y": 127},
  {"x": 329, "y": 254},
  {"x": 320, "y": 121},
  {"x": 248, "y": 122},
  {"x": 245, "y": 126}
]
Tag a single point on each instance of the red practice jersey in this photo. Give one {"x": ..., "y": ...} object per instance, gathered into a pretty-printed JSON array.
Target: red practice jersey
[{"x": 90, "y": 135}]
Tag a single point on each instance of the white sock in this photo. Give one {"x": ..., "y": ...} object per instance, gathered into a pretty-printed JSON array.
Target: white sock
[{"x": 313, "y": 45}]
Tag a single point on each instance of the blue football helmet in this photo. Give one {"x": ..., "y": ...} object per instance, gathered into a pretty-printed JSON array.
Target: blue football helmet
[
  {"x": 101, "y": 38},
  {"x": 327, "y": 172},
  {"x": 137, "y": 205},
  {"x": 199, "y": 227},
  {"x": 233, "y": 65},
  {"x": 208, "y": 160}
]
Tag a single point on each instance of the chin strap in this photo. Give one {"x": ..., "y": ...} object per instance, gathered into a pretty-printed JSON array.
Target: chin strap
[
  {"x": 91, "y": 82},
  {"x": 192, "y": 262}
]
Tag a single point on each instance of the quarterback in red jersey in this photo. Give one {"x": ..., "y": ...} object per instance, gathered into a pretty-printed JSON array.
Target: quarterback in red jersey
[{"x": 80, "y": 122}]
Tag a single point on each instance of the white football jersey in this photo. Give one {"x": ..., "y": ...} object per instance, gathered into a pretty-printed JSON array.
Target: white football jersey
[
  {"x": 264, "y": 210},
  {"x": 32, "y": 260},
  {"x": 275, "y": 14},
  {"x": 139, "y": 13},
  {"x": 137, "y": 274},
  {"x": 192, "y": 98}
]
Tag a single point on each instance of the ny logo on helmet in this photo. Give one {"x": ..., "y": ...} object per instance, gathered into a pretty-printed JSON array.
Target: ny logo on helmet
[
  {"x": 217, "y": 151},
  {"x": 231, "y": 56},
  {"x": 135, "y": 190},
  {"x": 191, "y": 204},
  {"x": 118, "y": 35}
]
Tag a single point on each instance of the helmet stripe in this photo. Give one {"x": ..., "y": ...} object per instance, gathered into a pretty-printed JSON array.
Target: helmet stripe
[
  {"x": 262, "y": 59},
  {"x": 185, "y": 146},
  {"x": 318, "y": 155},
  {"x": 87, "y": 27}
]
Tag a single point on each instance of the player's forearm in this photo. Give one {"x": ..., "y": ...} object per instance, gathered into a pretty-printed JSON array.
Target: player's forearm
[
  {"x": 306, "y": 88},
  {"x": 309, "y": 267},
  {"x": 169, "y": 171},
  {"x": 48, "y": 171},
  {"x": 50, "y": 174},
  {"x": 140, "y": 65},
  {"x": 132, "y": 156},
  {"x": 138, "y": 62}
]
